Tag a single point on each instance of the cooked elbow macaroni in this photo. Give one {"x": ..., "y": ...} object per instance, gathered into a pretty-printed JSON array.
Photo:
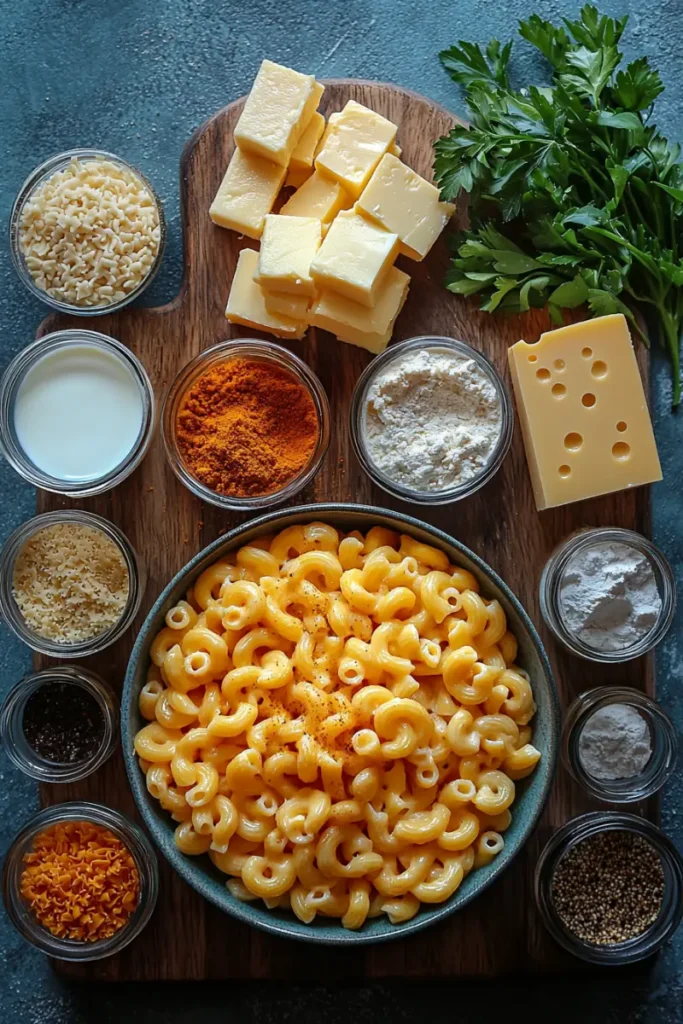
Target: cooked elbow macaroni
[{"x": 337, "y": 721}]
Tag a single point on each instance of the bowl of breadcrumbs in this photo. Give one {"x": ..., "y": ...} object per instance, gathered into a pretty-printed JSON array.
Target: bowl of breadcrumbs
[{"x": 70, "y": 583}]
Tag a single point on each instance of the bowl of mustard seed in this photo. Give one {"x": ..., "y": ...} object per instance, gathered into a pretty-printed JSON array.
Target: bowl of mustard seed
[{"x": 609, "y": 887}]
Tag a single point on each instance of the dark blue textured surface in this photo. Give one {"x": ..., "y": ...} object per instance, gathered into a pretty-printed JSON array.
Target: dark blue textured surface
[{"x": 136, "y": 77}]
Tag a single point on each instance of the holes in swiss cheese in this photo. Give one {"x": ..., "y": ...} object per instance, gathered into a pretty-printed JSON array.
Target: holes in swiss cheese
[
  {"x": 599, "y": 369},
  {"x": 559, "y": 390},
  {"x": 588, "y": 400},
  {"x": 533, "y": 358},
  {"x": 573, "y": 441},
  {"x": 559, "y": 364},
  {"x": 543, "y": 373},
  {"x": 586, "y": 352},
  {"x": 621, "y": 451},
  {"x": 621, "y": 426},
  {"x": 565, "y": 471}
]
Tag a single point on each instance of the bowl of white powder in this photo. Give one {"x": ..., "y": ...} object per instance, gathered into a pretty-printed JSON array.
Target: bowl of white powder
[
  {"x": 431, "y": 420},
  {"x": 618, "y": 744},
  {"x": 608, "y": 594}
]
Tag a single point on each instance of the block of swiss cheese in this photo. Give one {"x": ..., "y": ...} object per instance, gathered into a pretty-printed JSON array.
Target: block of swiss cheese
[{"x": 583, "y": 412}]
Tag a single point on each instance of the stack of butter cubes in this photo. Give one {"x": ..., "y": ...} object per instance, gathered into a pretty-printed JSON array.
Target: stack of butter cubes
[{"x": 327, "y": 258}]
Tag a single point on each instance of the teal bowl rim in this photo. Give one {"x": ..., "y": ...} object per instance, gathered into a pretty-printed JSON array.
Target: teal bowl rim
[{"x": 198, "y": 872}]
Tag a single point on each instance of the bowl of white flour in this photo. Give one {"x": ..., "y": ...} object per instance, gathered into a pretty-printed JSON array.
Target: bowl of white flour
[{"x": 431, "y": 420}]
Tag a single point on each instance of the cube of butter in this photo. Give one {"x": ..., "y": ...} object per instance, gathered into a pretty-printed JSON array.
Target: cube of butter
[
  {"x": 582, "y": 408},
  {"x": 287, "y": 247},
  {"x": 303, "y": 153},
  {"x": 246, "y": 303},
  {"x": 358, "y": 325},
  {"x": 318, "y": 197},
  {"x": 277, "y": 112},
  {"x": 329, "y": 128},
  {"x": 246, "y": 194},
  {"x": 401, "y": 201},
  {"x": 293, "y": 306},
  {"x": 354, "y": 258},
  {"x": 358, "y": 140},
  {"x": 301, "y": 162}
]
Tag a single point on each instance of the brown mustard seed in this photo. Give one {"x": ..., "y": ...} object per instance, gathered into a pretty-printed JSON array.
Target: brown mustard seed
[{"x": 609, "y": 887}]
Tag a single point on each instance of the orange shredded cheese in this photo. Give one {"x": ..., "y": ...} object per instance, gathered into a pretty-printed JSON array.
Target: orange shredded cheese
[{"x": 80, "y": 881}]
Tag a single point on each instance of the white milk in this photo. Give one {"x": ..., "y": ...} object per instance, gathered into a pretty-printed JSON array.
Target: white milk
[{"x": 78, "y": 413}]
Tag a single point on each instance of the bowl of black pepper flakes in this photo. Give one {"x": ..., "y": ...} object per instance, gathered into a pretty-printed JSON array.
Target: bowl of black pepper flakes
[
  {"x": 59, "y": 725},
  {"x": 609, "y": 887}
]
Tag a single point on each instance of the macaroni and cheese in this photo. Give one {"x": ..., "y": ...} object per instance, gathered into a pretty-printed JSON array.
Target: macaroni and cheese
[{"x": 338, "y": 721}]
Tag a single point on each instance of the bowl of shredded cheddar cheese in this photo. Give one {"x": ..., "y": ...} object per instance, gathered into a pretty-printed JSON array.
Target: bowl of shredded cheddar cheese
[
  {"x": 339, "y": 724},
  {"x": 80, "y": 881}
]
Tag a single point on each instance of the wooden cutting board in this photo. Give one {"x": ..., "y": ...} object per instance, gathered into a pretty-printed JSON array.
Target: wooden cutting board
[{"x": 187, "y": 938}]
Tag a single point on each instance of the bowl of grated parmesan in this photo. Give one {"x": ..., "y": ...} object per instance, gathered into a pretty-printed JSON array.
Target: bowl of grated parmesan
[{"x": 87, "y": 232}]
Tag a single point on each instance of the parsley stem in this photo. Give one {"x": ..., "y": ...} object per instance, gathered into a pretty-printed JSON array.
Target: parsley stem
[
  {"x": 671, "y": 325},
  {"x": 640, "y": 216},
  {"x": 592, "y": 182}
]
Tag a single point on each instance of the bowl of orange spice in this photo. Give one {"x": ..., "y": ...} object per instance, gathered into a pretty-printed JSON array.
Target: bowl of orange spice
[
  {"x": 246, "y": 424},
  {"x": 80, "y": 881}
]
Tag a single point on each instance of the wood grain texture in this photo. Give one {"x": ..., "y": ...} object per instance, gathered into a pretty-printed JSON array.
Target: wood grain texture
[{"x": 187, "y": 938}]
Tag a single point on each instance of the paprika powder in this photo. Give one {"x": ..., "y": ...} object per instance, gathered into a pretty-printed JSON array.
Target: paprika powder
[{"x": 246, "y": 428}]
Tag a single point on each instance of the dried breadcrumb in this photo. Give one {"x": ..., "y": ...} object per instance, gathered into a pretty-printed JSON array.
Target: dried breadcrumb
[
  {"x": 70, "y": 582},
  {"x": 80, "y": 881},
  {"x": 90, "y": 233}
]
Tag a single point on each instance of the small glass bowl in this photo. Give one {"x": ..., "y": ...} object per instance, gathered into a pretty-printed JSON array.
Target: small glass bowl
[
  {"x": 357, "y": 421},
  {"x": 137, "y": 577},
  {"x": 551, "y": 578},
  {"x": 662, "y": 738},
  {"x": 671, "y": 911},
  {"x": 9, "y": 387},
  {"x": 145, "y": 860},
  {"x": 20, "y": 751},
  {"x": 38, "y": 177},
  {"x": 259, "y": 351}
]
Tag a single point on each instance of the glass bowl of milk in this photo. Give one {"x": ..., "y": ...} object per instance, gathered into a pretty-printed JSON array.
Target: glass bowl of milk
[{"x": 76, "y": 413}]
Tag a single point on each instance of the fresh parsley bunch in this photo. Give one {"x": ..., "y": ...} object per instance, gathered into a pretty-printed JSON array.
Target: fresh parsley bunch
[{"x": 574, "y": 196}]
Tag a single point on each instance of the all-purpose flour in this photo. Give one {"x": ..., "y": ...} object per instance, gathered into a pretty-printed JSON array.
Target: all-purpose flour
[
  {"x": 615, "y": 743},
  {"x": 609, "y": 597},
  {"x": 432, "y": 420}
]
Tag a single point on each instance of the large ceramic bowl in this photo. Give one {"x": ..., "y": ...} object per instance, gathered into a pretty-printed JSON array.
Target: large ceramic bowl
[{"x": 531, "y": 793}]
